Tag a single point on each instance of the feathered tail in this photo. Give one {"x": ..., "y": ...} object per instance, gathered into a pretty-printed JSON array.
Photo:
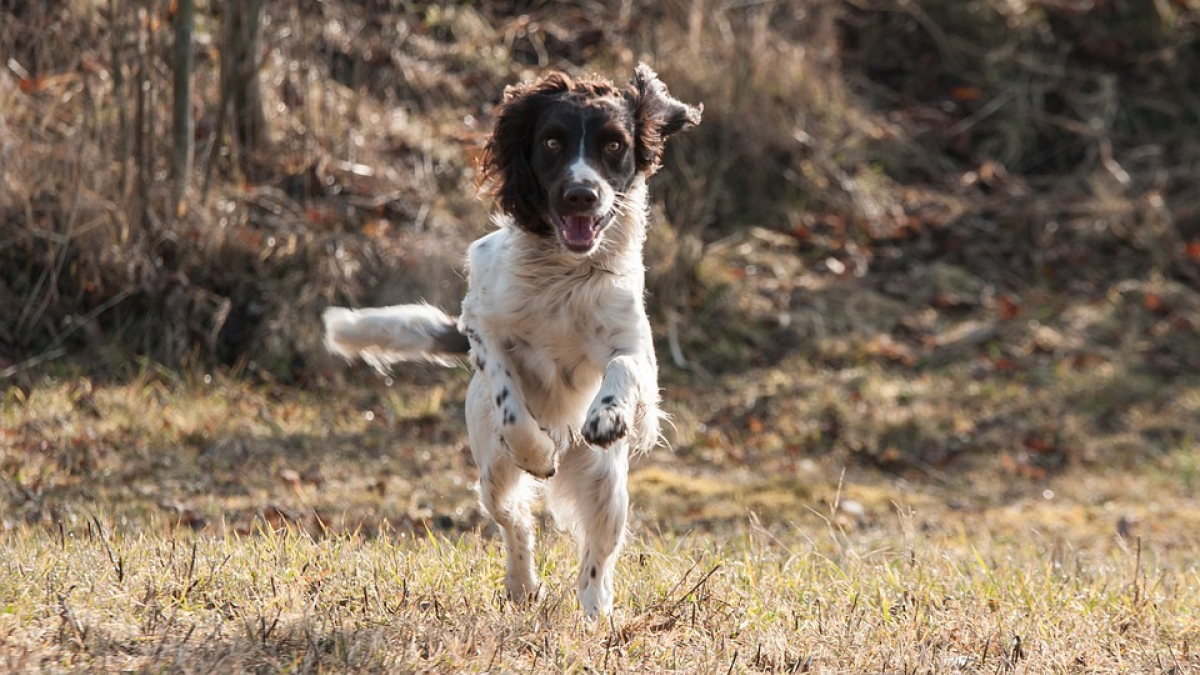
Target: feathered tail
[{"x": 384, "y": 335}]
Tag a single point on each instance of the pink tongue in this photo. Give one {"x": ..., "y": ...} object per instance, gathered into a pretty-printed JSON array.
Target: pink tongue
[{"x": 578, "y": 229}]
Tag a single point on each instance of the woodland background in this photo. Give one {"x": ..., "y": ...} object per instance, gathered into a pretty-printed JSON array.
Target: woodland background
[{"x": 933, "y": 158}]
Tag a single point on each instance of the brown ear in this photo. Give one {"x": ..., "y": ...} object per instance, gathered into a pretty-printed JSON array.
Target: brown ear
[
  {"x": 656, "y": 115},
  {"x": 505, "y": 172}
]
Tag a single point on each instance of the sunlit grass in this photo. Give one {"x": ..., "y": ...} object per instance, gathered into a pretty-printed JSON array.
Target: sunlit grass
[
  {"x": 91, "y": 597},
  {"x": 193, "y": 524}
]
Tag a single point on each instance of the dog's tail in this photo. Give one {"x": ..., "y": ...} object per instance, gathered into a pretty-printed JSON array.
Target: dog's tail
[{"x": 384, "y": 335}]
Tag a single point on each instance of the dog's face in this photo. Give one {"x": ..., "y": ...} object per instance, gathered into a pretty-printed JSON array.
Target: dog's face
[
  {"x": 564, "y": 152},
  {"x": 582, "y": 158}
]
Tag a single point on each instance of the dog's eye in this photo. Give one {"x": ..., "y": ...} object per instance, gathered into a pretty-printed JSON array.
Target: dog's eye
[
  {"x": 552, "y": 144},
  {"x": 613, "y": 147}
]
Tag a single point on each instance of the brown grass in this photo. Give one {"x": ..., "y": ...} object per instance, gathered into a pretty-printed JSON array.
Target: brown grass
[
  {"x": 321, "y": 557},
  {"x": 200, "y": 524},
  {"x": 282, "y": 602}
]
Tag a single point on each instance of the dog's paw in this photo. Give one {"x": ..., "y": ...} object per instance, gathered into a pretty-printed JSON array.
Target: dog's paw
[
  {"x": 595, "y": 597},
  {"x": 533, "y": 451},
  {"x": 523, "y": 589},
  {"x": 607, "y": 422}
]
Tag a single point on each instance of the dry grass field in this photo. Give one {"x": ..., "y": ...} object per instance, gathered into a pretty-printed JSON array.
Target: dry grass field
[
  {"x": 214, "y": 526},
  {"x": 926, "y": 285}
]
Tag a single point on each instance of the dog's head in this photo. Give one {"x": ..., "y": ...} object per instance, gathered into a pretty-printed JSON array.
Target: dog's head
[{"x": 564, "y": 151}]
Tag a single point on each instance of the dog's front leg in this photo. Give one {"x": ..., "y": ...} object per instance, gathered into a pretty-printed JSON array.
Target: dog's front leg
[
  {"x": 532, "y": 448},
  {"x": 610, "y": 415}
]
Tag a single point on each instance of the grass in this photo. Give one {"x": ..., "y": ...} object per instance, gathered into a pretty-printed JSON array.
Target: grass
[
  {"x": 895, "y": 601},
  {"x": 209, "y": 524}
]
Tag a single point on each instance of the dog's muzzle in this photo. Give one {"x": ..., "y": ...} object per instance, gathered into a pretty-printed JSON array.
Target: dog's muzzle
[{"x": 578, "y": 221}]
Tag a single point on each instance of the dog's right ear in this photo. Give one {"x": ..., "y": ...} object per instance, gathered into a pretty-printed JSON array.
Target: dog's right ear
[{"x": 505, "y": 172}]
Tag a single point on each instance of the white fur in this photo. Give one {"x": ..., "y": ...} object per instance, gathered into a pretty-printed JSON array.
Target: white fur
[
  {"x": 385, "y": 335},
  {"x": 553, "y": 336},
  {"x": 565, "y": 385}
]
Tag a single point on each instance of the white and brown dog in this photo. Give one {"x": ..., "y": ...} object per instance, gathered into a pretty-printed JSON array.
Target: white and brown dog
[{"x": 566, "y": 383}]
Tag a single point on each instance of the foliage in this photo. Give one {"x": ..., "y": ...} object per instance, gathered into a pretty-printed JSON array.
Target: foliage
[{"x": 1040, "y": 144}]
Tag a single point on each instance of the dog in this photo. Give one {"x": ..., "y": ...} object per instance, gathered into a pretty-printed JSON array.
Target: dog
[{"x": 565, "y": 385}]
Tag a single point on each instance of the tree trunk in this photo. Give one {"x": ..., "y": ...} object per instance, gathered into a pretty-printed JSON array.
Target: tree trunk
[
  {"x": 117, "y": 56},
  {"x": 184, "y": 141},
  {"x": 142, "y": 127},
  {"x": 242, "y": 57}
]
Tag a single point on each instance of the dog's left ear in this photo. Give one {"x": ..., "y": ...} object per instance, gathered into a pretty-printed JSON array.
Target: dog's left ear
[{"x": 656, "y": 116}]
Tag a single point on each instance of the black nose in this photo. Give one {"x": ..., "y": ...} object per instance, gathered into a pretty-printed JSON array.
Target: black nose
[{"x": 581, "y": 195}]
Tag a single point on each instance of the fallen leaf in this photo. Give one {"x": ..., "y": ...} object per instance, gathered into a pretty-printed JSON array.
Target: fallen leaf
[
  {"x": 886, "y": 347},
  {"x": 1192, "y": 250},
  {"x": 289, "y": 477},
  {"x": 1009, "y": 306},
  {"x": 1004, "y": 364},
  {"x": 377, "y": 228},
  {"x": 32, "y": 85},
  {"x": 1039, "y": 444},
  {"x": 966, "y": 94}
]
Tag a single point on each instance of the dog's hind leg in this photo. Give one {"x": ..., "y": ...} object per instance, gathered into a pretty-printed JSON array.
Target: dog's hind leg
[
  {"x": 590, "y": 495},
  {"x": 505, "y": 492},
  {"x": 506, "y": 499}
]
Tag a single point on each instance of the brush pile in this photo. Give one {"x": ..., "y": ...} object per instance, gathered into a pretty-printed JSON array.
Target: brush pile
[{"x": 935, "y": 156}]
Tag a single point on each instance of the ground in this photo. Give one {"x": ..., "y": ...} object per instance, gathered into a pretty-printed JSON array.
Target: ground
[{"x": 197, "y": 523}]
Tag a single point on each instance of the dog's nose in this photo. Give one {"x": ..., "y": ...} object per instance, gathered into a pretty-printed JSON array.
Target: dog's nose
[{"x": 581, "y": 195}]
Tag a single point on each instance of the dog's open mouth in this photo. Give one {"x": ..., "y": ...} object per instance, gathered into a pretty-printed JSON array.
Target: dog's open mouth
[{"x": 579, "y": 232}]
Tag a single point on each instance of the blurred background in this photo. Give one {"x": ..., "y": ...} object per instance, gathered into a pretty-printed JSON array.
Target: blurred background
[{"x": 915, "y": 236}]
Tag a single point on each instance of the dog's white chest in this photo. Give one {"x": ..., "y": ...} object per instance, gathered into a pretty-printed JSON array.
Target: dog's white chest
[{"x": 560, "y": 347}]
